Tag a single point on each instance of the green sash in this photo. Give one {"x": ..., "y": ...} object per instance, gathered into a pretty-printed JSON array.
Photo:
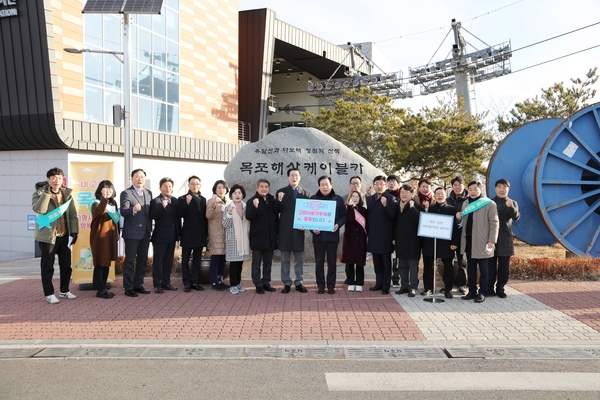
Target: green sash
[
  {"x": 476, "y": 205},
  {"x": 44, "y": 220},
  {"x": 115, "y": 216}
]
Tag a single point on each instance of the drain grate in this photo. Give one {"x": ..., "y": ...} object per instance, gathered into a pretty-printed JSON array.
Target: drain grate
[
  {"x": 575, "y": 353},
  {"x": 499, "y": 352},
  {"x": 173, "y": 352},
  {"x": 296, "y": 352},
  {"x": 90, "y": 352},
  {"x": 413, "y": 353},
  {"x": 19, "y": 353}
]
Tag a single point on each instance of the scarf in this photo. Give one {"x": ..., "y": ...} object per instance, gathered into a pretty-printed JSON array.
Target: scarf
[
  {"x": 425, "y": 199},
  {"x": 241, "y": 227},
  {"x": 476, "y": 205}
]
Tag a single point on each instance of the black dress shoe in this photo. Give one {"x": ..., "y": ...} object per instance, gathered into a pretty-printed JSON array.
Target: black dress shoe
[
  {"x": 491, "y": 294},
  {"x": 462, "y": 290},
  {"x": 187, "y": 289},
  {"x": 131, "y": 293},
  {"x": 197, "y": 287},
  {"x": 469, "y": 296},
  {"x": 269, "y": 288},
  {"x": 412, "y": 293},
  {"x": 158, "y": 290},
  {"x": 331, "y": 290},
  {"x": 286, "y": 289},
  {"x": 502, "y": 295},
  {"x": 448, "y": 294},
  {"x": 401, "y": 291},
  {"x": 320, "y": 290},
  {"x": 218, "y": 286},
  {"x": 224, "y": 285},
  {"x": 385, "y": 292},
  {"x": 169, "y": 287},
  {"x": 140, "y": 289},
  {"x": 374, "y": 288},
  {"x": 301, "y": 288},
  {"x": 104, "y": 295},
  {"x": 480, "y": 298},
  {"x": 260, "y": 290}
]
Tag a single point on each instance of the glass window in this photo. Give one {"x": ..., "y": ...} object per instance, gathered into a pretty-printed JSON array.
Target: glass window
[
  {"x": 145, "y": 21},
  {"x": 172, "y": 119},
  {"x": 172, "y": 56},
  {"x": 174, "y": 4},
  {"x": 160, "y": 26},
  {"x": 93, "y": 29},
  {"x": 93, "y": 68},
  {"x": 112, "y": 72},
  {"x": 92, "y": 104},
  {"x": 172, "y": 25},
  {"x": 110, "y": 98},
  {"x": 160, "y": 85},
  {"x": 160, "y": 52},
  {"x": 145, "y": 114},
  {"x": 160, "y": 116},
  {"x": 145, "y": 80},
  {"x": 144, "y": 45},
  {"x": 113, "y": 32},
  {"x": 172, "y": 88}
]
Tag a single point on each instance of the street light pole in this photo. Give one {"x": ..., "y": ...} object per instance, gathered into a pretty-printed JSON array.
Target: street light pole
[{"x": 127, "y": 151}]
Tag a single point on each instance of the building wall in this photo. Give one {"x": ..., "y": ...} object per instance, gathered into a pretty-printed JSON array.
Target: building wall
[{"x": 208, "y": 66}]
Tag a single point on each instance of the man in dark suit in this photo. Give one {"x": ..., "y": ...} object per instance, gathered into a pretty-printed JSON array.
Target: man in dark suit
[
  {"x": 382, "y": 208},
  {"x": 291, "y": 240},
  {"x": 137, "y": 228},
  {"x": 167, "y": 227},
  {"x": 194, "y": 233}
]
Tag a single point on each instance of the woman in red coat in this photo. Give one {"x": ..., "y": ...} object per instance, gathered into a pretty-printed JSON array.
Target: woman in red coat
[
  {"x": 104, "y": 235},
  {"x": 354, "y": 249}
]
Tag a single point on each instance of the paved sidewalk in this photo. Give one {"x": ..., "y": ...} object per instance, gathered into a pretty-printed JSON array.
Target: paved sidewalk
[{"x": 535, "y": 313}]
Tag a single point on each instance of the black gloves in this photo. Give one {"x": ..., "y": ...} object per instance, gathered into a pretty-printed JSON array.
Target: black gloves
[{"x": 74, "y": 237}]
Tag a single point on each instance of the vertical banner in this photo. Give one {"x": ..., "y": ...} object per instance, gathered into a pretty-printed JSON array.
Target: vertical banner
[{"x": 85, "y": 177}]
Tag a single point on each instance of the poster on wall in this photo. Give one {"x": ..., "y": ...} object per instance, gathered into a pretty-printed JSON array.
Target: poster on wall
[{"x": 85, "y": 177}]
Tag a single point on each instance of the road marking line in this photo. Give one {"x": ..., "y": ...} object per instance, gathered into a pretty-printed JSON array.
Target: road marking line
[{"x": 463, "y": 381}]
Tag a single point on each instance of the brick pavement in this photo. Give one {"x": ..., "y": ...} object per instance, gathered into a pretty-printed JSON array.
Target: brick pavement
[{"x": 207, "y": 315}]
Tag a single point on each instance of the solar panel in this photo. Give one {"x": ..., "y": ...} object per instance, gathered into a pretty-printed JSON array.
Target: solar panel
[
  {"x": 142, "y": 6},
  {"x": 123, "y": 7},
  {"x": 103, "y": 6}
]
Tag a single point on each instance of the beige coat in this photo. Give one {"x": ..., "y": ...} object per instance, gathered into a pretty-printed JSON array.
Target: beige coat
[
  {"x": 485, "y": 229},
  {"x": 216, "y": 231}
]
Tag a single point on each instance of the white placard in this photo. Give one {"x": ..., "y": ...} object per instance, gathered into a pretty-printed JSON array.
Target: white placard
[{"x": 436, "y": 226}]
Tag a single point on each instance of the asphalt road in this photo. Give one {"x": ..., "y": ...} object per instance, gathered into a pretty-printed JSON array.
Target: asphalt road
[{"x": 286, "y": 379}]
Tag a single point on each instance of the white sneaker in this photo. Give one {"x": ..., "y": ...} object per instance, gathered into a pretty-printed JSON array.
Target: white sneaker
[
  {"x": 358, "y": 288},
  {"x": 52, "y": 299},
  {"x": 241, "y": 289},
  {"x": 67, "y": 295},
  {"x": 351, "y": 288},
  {"x": 234, "y": 290}
]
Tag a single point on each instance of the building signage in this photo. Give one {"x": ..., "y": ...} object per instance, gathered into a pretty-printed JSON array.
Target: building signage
[{"x": 8, "y": 8}]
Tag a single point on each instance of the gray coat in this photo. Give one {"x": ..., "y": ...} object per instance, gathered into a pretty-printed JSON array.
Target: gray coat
[
  {"x": 290, "y": 239},
  {"x": 506, "y": 215},
  {"x": 135, "y": 225},
  {"x": 485, "y": 229}
]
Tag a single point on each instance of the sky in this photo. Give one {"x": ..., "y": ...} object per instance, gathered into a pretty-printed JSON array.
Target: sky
[{"x": 410, "y": 32}]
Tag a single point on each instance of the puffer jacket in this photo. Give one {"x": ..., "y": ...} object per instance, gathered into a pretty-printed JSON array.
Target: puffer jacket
[{"x": 216, "y": 231}]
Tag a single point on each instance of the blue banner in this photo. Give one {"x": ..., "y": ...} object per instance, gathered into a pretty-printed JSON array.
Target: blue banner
[{"x": 313, "y": 214}]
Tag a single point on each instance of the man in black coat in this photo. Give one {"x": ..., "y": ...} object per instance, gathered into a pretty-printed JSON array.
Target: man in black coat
[
  {"x": 291, "y": 240},
  {"x": 382, "y": 208},
  {"x": 508, "y": 211},
  {"x": 167, "y": 226},
  {"x": 444, "y": 248},
  {"x": 406, "y": 241},
  {"x": 458, "y": 195},
  {"x": 260, "y": 211},
  {"x": 194, "y": 233}
]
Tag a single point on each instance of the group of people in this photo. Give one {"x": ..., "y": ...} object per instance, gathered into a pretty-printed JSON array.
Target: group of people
[{"x": 383, "y": 225}]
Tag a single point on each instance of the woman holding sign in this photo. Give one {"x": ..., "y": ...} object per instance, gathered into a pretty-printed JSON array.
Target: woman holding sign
[
  {"x": 354, "y": 249},
  {"x": 326, "y": 242},
  {"x": 104, "y": 235}
]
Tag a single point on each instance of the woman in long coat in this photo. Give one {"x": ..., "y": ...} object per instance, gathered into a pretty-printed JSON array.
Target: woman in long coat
[
  {"x": 104, "y": 235},
  {"x": 354, "y": 248},
  {"x": 237, "y": 242},
  {"x": 216, "y": 234}
]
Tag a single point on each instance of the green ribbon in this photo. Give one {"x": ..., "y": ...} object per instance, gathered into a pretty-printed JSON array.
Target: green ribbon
[
  {"x": 44, "y": 220},
  {"x": 115, "y": 216},
  {"x": 476, "y": 205}
]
